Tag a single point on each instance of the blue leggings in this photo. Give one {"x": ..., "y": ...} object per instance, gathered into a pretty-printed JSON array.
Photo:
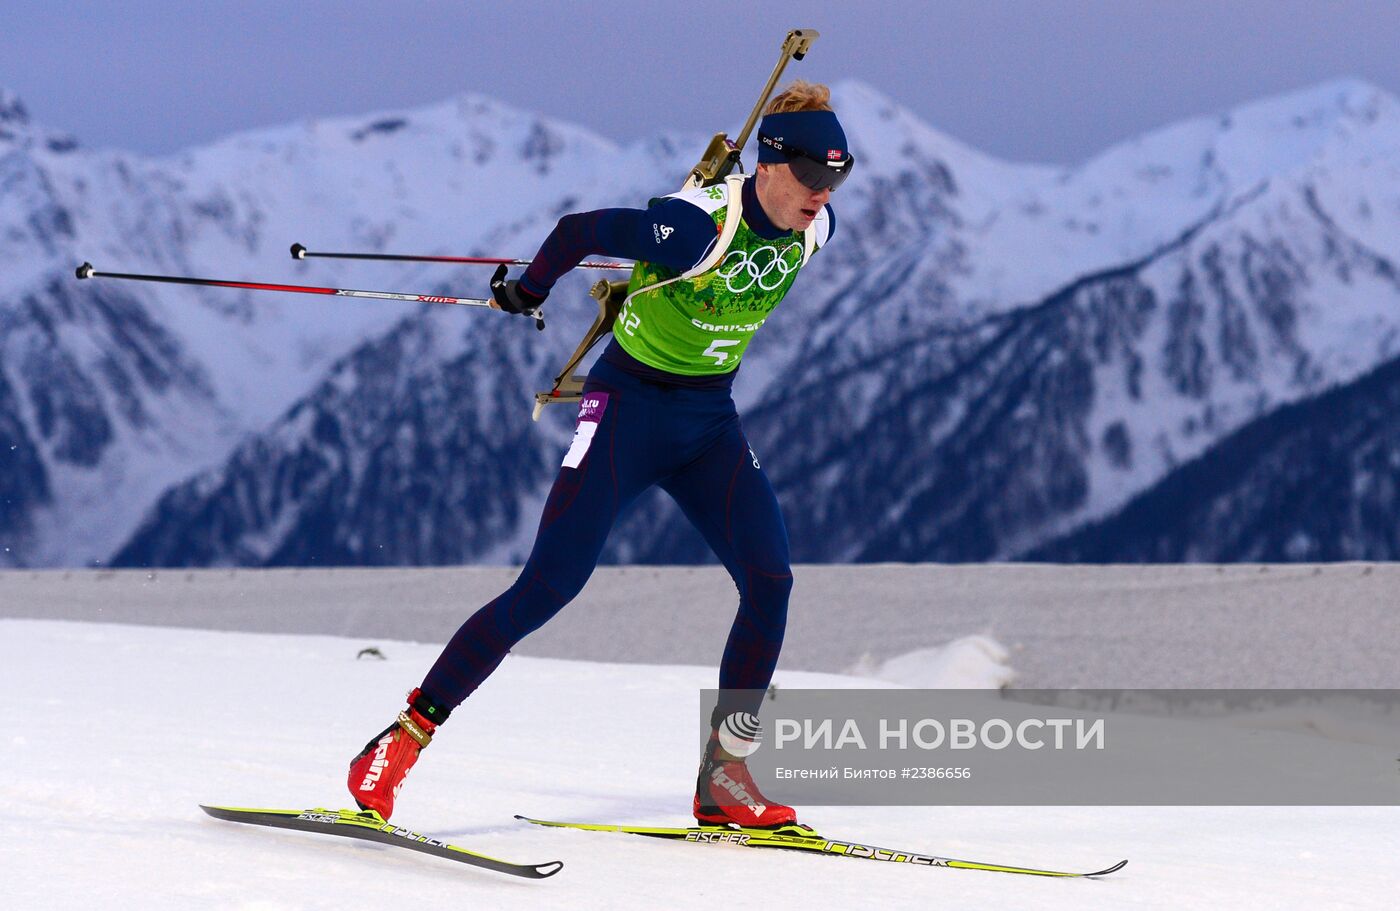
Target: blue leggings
[{"x": 690, "y": 443}]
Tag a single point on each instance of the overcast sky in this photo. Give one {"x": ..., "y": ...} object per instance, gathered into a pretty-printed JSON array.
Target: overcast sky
[{"x": 1029, "y": 80}]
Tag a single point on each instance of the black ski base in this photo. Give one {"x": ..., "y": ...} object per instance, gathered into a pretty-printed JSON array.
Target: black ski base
[{"x": 370, "y": 826}]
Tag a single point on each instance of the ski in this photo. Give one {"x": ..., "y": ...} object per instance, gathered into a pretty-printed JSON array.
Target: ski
[
  {"x": 370, "y": 826},
  {"x": 804, "y": 838}
]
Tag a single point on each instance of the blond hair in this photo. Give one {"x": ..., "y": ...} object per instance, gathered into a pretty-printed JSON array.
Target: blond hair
[{"x": 800, "y": 96}]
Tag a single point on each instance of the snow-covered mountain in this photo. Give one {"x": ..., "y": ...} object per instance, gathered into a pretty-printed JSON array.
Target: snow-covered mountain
[
  {"x": 112, "y": 391},
  {"x": 987, "y": 357},
  {"x": 1312, "y": 481}
]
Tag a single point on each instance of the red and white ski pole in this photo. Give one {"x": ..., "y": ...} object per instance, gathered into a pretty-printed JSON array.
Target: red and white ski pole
[
  {"x": 86, "y": 270},
  {"x": 300, "y": 252}
]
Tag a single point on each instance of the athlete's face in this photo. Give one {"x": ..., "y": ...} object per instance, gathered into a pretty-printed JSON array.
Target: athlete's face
[{"x": 788, "y": 204}]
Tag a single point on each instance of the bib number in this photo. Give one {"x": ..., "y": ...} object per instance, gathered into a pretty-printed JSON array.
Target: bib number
[
  {"x": 629, "y": 319},
  {"x": 714, "y": 352}
]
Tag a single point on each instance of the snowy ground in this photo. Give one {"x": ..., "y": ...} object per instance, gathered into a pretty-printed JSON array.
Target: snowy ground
[
  {"x": 113, "y": 734},
  {"x": 1203, "y": 626}
]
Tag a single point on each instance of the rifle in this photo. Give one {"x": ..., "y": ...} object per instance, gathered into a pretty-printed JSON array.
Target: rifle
[{"x": 721, "y": 157}]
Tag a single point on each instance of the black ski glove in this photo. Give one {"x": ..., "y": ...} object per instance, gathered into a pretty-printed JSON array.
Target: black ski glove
[{"x": 512, "y": 298}]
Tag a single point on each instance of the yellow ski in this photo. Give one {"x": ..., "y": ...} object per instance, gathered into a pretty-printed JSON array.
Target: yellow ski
[{"x": 804, "y": 838}]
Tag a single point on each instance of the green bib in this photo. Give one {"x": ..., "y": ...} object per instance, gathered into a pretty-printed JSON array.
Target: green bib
[{"x": 700, "y": 324}]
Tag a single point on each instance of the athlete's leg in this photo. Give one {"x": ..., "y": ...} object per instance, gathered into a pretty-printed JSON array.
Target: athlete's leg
[
  {"x": 726, "y": 495},
  {"x": 583, "y": 504}
]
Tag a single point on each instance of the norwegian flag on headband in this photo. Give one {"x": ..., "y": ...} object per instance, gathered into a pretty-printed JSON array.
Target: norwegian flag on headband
[{"x": 833, "y": 154}]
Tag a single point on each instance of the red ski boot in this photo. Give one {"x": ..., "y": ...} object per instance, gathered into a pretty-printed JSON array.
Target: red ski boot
[
  {"x": 725, "y": 793},
  {"x": 377, "y": 773}
]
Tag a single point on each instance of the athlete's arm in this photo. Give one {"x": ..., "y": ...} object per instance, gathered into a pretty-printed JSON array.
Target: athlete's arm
[{"x": 672, "y": 233}]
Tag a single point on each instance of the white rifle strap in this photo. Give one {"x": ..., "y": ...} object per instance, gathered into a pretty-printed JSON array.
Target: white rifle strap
[{"x": 734, "y": 210}]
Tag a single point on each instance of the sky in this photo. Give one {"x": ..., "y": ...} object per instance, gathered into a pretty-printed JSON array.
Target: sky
[{"x": 1051, "y": 81}]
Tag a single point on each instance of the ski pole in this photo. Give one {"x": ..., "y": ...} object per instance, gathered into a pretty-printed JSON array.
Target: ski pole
[
  {"x": 86, "y": 270},
  {"x": 300, "y": 252}
]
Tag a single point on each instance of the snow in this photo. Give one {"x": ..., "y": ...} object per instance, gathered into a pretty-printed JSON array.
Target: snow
[
  {"x": 1189, "y": 626},
  {"x": 968, "y": 663},
  {"x": 113, "y": 734}
]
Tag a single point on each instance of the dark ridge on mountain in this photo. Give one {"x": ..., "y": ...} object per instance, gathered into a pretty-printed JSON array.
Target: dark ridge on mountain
[{"x": 1315, "y": 481}]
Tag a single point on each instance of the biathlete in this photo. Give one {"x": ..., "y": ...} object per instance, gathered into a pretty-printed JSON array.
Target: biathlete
[{"x": 711, "y": 265}]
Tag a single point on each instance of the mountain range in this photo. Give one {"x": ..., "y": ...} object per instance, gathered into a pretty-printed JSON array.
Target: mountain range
[{"x": 1184, "y": 348}]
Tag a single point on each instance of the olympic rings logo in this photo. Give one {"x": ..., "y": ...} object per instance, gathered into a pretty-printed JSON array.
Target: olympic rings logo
[{"x": 765, "y": 267}]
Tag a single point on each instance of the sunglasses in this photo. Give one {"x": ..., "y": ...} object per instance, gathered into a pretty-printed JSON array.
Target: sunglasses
[{"x": 815, "y": 172}]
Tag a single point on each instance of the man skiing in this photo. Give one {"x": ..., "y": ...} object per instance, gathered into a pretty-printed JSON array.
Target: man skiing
[{"x": 712, "y": 264}]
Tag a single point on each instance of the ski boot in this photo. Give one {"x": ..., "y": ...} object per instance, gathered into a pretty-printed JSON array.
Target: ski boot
[
  {"x": 725, "y": 793},
  {"x": 378, "y": 772}
]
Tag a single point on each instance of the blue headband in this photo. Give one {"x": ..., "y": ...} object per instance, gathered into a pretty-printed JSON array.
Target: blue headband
[{"x": 817, "y": 133}]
